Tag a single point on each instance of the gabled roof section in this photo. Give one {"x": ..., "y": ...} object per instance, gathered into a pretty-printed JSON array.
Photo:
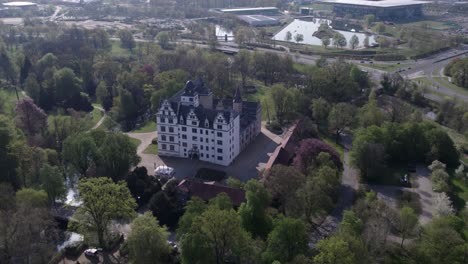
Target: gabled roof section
[{"x": 209, "y": 190}]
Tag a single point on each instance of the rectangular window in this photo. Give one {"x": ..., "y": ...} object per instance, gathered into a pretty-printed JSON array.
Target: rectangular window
[
  {"x": 191, "y": 99},
  {"x": 219, "y": 142},
  {"x": 206, "y": 132},
  {"x": 170, "y": 120},
  {"x": 194, "y": 123},
  {"x": 220, "y": 150},
  {"x": 171, "y": 139},
  {"x": 163, "y": 138},
  {"x": 171, "y": 147},
  {"x": 184, "y": 129},
  {"x": 171, "y": 129},
  {"x": 194, "y": 138},
  {"x": 201, "y": 155},
  {"x": 184, "y": 144},
  {"x": 194, "y": 130},
  {"x": 163, "y": 129},
  {"x": 219, "y": 134},
  {"x": 219, "y": 126},
  {"x": 163, "y": 146},
  {"x": 206, "y": 140},
  {"x": 184, "y": 136},
  {"x": 220, "y": 158}
]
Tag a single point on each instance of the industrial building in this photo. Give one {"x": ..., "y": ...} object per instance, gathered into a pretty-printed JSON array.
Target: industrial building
[
  {"x": 268, "y": 11},
  {"x": 390, "y": 10},
  {"x": 258, "y": 20}
]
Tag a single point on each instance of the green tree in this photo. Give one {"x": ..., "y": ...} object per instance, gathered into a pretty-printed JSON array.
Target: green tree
[
  {"x": 52, "y": 182},
  {"x": 67, "y": 85},
  {"x": 147, "y": 241},
  {"x": 81, "y": 152},
  {"x": 32, "y": 88},
  {"x": 287, "y": 240},
  {"x": 320, "y": 109},
  {"x": 341, "y": 116},
  {"x": 354, "y": 42},
  {"x": 126, "y": 39},
  {"x": 288, "y": 36},
  {"x": 341, "y": 249},
  {"x": 253, "y": 213},
  {"x": 326, "y": 42},
  {"x": 407, "y": 223},
  {"x": 214, "y": 237},
  {"x": 103, "y": 201},
  {"x": 299, "y": 38},
  {"x": 370, "y": 113},
  {"x": 163, "y": 39},
  {"x": 117, "y": 155}
]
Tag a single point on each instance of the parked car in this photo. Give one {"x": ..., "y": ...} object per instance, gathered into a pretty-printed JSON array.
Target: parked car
[
  {"x": 164, "y": 171},
  {"x": 92, "y": 252}
]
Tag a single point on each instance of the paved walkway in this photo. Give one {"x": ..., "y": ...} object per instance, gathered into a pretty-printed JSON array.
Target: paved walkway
[
  {"x": 246, "y": 166},
  {"x": 104, "y": 115}
]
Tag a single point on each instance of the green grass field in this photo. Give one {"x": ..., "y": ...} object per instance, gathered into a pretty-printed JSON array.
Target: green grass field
[
  {"x": 148, "y": 127},
  {"x": 135, "y": 141},
  {"x": 116, "y": 50},
  {"x": 445, "y": 82},
  {"x": 385, "y": 67},
  {"x": 434, "y": 25},
  {"x": 151, "y": 149}
]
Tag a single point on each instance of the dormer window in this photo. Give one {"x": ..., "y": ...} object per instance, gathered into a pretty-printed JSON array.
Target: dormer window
[{"x": 207, "y": 124}]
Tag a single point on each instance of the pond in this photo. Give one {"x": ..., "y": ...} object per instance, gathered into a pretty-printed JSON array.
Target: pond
[
  {"x": 307, "y": 28},
  {"x": 221, "y": 32}
]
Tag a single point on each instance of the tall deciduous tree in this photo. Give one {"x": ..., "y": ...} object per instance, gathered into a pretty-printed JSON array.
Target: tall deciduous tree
[
  {"x": 81, "y": 152},
  {"x": 354, "y": 42},
  {"x": 287, "y": 240},
  {"x": 253, "y": 213},
  {"x": 30, "y": 118},
  {"x": 52, "y": 182},
  {"x": 147, "y": 241},
  {"x": 103, "y": 201},
  {"x": 341, "y": 116},
  {"x": 126, "y": 39},
  {"x": 117, "y": 155},
  {"x": 407, "y": 223}
]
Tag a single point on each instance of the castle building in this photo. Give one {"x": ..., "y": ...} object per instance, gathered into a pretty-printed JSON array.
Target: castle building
[{"x": 191, "y": 124}]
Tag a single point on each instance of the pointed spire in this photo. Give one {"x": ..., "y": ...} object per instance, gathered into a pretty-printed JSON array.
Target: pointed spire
[{"x": 237, "y": 95}]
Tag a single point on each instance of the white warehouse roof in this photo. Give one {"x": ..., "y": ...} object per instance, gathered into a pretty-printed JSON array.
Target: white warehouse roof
[
  {"x": 378, "y": 3},
  {"x": 19, "y": 4}
]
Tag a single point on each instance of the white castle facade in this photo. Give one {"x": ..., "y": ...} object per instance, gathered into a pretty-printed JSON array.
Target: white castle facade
[{"x": 192, "y": 124}]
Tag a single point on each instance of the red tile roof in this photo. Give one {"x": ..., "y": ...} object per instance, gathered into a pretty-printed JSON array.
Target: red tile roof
[{"x": 209, "y": 190}]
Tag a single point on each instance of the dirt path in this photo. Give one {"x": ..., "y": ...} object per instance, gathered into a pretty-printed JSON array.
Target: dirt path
[
  {"x": 99, "y": 123},
  {"x": 149, "y": 161}
]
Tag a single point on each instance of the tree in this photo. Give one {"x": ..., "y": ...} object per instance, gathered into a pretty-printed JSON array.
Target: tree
[
  {"x": 215, "y": 236},
  {"x": 442, "y": 205},
  {"x": 30, "y": 118},
  {"x": 298, "y": 38},
  {"x": 354, "y": 42},
  {"x": 341, "y": 249},
  {"x": 366, "y": 42},
  {"x": 368, "y": 20},
  {"x": 81, "y": 152},
  {"x": 52, "y": 182},
  {"x": 163, "y": 39},
  {"x": 117, "y": 155},
  {"x": 32, "y": 88},
  {"x": 370, "y": 114},
  {"x": 309, "y": 150},
  {"x": 287, "y": 240},
  {"x": 103, "y": 201},
  {"x": 340, "y": 117},
  {"x": 281, "y": 98},
  {"x": 242, "y": 64},
  {"x": 339, "y": 40},
  {"x": 126, "y": 39},
  {"x": 67, "y": 86},
  {"x": 283, "y": 182},
  {"x": 408, "y": 221},
  {"x": 288, "y": 36},
  {"x": 320, "y": 110},
  {"x": 8, "y": 160},
  {"x": 326, "y": 42},
  {"x": 253, "y": 213},
  {"x": 380, "y": 27},
  {"x": 147, "y": 241}
]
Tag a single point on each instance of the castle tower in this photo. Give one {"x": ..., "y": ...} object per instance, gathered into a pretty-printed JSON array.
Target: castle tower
[{"x": 237, "y": 101}]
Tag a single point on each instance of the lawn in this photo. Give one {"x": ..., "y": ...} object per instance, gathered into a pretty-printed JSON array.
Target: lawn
[
  {"x": 385, "y": 67},
  {"x": 151, "y": 149},
  {"x": 445, "y": 82},
  {"x": 135, "y": 141},
  {"x": 434, "y": 25},
  {"x": 119, "y": 51},
  {"x": 149, "y": 126}
]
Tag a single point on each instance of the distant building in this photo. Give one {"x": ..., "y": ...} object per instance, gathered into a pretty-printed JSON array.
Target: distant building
[
  {"x": 192, "y": 124},
  {"x": 258, "y": 20},
  {"x": 306, "y": 11},
  {"x": 391, "y": 10},
  {"x": 271, "y": 11}
]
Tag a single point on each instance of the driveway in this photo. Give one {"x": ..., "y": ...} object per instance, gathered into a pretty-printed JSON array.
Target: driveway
[
  {"x": 422, "y": 185},
  {"x": 246, "y": 166}
]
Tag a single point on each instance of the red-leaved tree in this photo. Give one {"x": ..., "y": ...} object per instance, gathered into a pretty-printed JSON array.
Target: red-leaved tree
[
  {"x": 29, "y": 117},
  {"x": 309, "y": 149}
]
